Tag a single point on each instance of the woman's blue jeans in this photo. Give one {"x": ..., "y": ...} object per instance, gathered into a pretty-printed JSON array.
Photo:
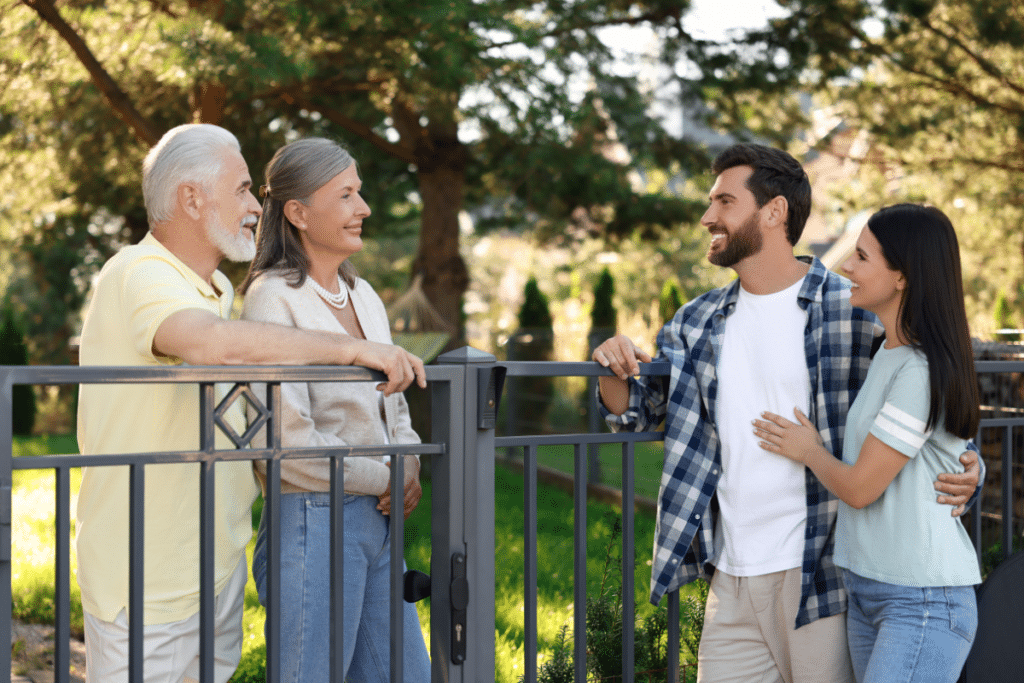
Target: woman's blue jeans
[
  {"x": 908, "y": 634},
  {"x": 306, "y": 591}
]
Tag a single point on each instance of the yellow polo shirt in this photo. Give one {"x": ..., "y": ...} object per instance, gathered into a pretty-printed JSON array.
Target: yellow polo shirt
[{"x": 136, "y": 291}]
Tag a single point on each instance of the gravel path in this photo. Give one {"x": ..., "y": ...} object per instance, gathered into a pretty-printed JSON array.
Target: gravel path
[{"x": 32, "y": 654}]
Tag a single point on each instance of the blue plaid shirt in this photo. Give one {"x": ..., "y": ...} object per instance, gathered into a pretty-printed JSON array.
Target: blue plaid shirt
[{"x": 837, "y": 342}]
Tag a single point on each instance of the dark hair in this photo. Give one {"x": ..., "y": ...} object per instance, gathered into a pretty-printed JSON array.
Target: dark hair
[
  {"x": 920, "y": 242},
  {"x": 297, "y": 170},
  {"x": 776, "y": 174}
]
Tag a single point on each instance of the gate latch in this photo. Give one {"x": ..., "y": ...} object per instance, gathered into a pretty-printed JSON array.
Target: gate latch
[{"x": 459, "y": 591}]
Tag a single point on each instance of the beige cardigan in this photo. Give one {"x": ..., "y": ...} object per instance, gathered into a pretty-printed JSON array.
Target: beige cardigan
[{"x": 329, "y": 413}]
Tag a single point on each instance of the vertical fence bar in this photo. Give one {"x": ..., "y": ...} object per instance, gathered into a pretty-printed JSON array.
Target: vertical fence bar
[
  {"x": 62, "y": 575},
  {"x": 446, "y": 503},
  {"x": 272, "y": 511},
  {"x": 530, "y": 563},
  {"x": 6, "y": 462},
  {"x": 580, "y": 563},
  {"x": 628, "y": 568},
  {"x": 136, "y": 565},
  {"x": 674, "y": 641},
  {"x": 397, "y": 521},
  {"x": 976, "y": 510},
  {"x": 1007, "y": 492},
  {"x": 337, "y": 565},
  {"x": 207, "y": 438}
]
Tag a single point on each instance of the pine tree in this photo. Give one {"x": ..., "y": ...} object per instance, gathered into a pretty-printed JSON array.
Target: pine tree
[{"x": 670, "y": 301}]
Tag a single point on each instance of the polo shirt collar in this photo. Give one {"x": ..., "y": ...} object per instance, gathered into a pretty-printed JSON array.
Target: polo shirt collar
[{"x": 220, "y": 280}]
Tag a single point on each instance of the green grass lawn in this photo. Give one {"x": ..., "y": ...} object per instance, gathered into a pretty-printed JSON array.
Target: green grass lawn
[{"x": 33, "y": 502}]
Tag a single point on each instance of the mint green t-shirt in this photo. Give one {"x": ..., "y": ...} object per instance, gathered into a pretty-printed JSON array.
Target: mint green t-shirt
[{"x": 905, "y": 537}]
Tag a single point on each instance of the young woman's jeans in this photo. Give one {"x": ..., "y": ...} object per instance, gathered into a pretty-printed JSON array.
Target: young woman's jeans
[
  {"x": 906, "y": 634},
  {"x": 306, "y": 590}
]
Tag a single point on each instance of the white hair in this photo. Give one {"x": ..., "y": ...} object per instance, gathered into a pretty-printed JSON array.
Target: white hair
[{"x": 186, "y": 153}]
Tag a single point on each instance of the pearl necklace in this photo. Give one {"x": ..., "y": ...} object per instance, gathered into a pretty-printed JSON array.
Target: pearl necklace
[{"x": 339, "y": 300}]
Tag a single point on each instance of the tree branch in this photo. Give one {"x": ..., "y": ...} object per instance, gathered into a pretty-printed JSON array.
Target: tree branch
[
  {"x": 115, "y": 97},
  {"x": 652, "y": 17},
  {"x": 984, "y": 64},
  {"x": 351, "y": 125}
]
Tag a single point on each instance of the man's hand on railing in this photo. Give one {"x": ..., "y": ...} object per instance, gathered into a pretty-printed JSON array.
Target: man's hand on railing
[
  {"x": 413, "y": 491},
  {"x": 620, "y": 355},
  {"x": 401, "y": 367}
]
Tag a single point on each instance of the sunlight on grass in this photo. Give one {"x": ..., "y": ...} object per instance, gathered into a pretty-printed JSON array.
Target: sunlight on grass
[{"x": 33, "y": 531}]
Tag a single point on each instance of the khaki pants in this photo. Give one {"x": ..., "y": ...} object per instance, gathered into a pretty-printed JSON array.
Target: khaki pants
[
  {"x": 170, "y": 651},
  {"x": 749, "y": 635}
]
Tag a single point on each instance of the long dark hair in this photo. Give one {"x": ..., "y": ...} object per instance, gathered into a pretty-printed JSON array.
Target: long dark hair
[
  {"x": 297, "y": 170},
  {"x": 920, "y": 242}
]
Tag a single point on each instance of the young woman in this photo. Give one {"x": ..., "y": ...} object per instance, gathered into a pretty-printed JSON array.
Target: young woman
[
  {"x": 311, "y": 224},
  {"x": 909, "y": 567}
]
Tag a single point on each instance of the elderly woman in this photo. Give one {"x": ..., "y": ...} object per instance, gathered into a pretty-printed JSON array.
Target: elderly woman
[{"x": 312, "y": 223}]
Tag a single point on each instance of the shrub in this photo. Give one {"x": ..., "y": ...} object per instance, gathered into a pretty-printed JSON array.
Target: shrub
[
  {"x": 1005, "y": 318},
  {"x": 14, "y": 352},
  {"x": 603, "y": 315},
  {"x": 670, "y": 301},
  {"x": 533, "y": 341}
]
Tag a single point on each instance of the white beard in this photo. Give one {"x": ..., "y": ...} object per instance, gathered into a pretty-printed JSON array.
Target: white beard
[{"x": 239, "y": 247}]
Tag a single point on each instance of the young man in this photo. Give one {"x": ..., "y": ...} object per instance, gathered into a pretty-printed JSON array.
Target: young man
[
  {"x": 782, "y": 335},
  {"x": 163, "y": 302}
]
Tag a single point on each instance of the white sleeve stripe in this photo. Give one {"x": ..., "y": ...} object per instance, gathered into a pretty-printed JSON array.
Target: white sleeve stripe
[
  {"x": 912, "y": 439},
  {"x": 904, "y": 418}
]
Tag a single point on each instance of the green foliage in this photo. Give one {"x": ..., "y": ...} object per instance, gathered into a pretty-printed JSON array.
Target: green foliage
[
  {"x": 446, "y": 106},
  {"x": 558, "y": 669},
  {"x": 14, "y": 352},
  {"x": 992, "y": 556},
  {"x": 604, "y": 623},
  {"x": 1005, "y": 317},
  {"x": 602, "y": 315},
  {"x": 691, "y": 609},
  {"x": 670, "y": 301},
  {"x": 918, "y": 99}
]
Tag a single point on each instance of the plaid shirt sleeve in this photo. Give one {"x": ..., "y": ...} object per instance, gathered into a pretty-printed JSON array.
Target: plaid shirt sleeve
[{"x": 685, "y": 401}]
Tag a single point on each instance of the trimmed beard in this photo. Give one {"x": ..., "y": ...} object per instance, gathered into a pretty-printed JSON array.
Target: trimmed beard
[
  {"x": 746, "y": 241},
  {"x": 237, "y": 247}
]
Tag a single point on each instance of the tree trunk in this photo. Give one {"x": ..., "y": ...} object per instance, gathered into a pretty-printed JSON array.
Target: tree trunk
[{"x": 442, "y": 179}]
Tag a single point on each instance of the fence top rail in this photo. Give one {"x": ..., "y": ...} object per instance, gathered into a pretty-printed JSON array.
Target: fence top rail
[
  {"x": 171, "y": 374},
  {"x": 547, "y": 368}
]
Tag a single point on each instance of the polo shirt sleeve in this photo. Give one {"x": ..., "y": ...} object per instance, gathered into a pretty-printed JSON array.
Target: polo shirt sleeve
[
  {"x": 154, "y": 289},
  {"x": 900, "y": 423}
]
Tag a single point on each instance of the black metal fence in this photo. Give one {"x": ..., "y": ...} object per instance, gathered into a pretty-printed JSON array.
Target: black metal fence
[{"x": 465, "y": 388}]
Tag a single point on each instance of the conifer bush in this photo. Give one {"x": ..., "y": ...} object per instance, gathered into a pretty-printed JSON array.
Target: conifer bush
[{"x": 13, "y": 351}]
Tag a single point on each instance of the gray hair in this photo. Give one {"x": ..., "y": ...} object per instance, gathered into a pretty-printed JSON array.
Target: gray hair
[
  {"x": 297, "y": 171},
  {"x": 185, "y": 153}
]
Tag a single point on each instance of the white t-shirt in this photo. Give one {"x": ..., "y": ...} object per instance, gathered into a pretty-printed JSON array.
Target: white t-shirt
[{"x": 762, "y": 497}]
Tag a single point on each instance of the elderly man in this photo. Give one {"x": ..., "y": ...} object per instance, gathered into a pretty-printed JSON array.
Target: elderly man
[
  {"x": 163, "y": 302},
  {"x": 782, "y": 335}
]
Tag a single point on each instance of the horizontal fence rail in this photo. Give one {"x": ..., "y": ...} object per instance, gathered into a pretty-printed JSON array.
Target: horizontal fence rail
[{"x": 465, "y": 390}]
